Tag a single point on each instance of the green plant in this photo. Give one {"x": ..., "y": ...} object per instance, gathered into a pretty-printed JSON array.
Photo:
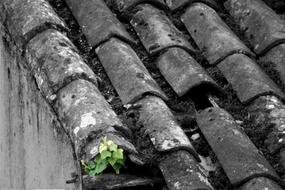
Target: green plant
[{"x": 110, "y": 155}]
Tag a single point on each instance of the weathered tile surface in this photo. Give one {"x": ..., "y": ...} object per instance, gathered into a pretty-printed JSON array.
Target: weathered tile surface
[
  {"x": 247, "y": 78},
  {"x": 113, "y": 181},
  {"x": 275, "y": 57},
  {"x": 214, "y": 38},
  {"x": 176, "y": 5},
  {"x": 260, "y": 183},
  {"x": 127, "y": 5},
  {"x": 268, "y": 113},
  {"x": 282, "y": 157},
  {"x": 238, "y": 156},
  {"x": 25, "y": 17},
  {"x": 183, "y": 73},
  {"x": 162, "y": 128},
  {"x": 181, "y": 171},
  {"x": 63, "y": 76},
  {"x": 126, "y": 71},
  {"x": 55, "y": 62},
  {"x": 156, "y": 31},
  {"x": 86, "y": 114},
  {"x": 262, "y": 26},
  {"x": 97, "y": 21}
]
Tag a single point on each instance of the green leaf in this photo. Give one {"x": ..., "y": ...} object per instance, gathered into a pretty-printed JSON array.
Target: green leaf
[
  {"x": 101, "y": 166},
  {"x": 82, "y": 162},
  {"x": 113, "y": 147},
  {"x": 105, "y": 154},
  {"x": 121, "y": 161},
  {"x": 92, "y": 173},
  {"x": 102, "y": 147},
  {"x": 112, "y": 161},
  {"x": 86, "y": 167},
  {"x": 98, "y": 159},
  {"x": 118, "y": 154},
  {"x": 92, "y": 165},
  {"x": 117, "y": 168},
  {"x": 110, "y": 154},
  {"x": 109, "y": 143}
]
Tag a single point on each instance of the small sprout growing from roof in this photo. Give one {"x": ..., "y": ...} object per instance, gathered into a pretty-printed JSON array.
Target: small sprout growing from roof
[{"x": 110, "y": 155}]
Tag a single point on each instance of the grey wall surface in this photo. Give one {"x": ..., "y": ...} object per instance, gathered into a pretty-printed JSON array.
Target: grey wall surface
[{"x": 34, "y": 150}]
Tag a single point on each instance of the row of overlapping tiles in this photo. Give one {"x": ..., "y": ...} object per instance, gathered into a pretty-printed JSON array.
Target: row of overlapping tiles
[
  {"x": 221, "y": 47},
  {"x": 158, "y": 34},
  {"x": 71, "y": 87}
]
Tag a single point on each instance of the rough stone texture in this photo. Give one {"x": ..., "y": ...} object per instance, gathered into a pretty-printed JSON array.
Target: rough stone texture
[
  {"x": 35, "y": 152},
  {"x": 262, "y": 26},
  {"x": 260, "y": 183},
  {"x": 183, "y": 73},
  {"x": 97, "y": 21},
  {"x": 156, "y": 31},
  {"x": 126, "y": 71},
  {"x": 127, "y": 5},
  {"x": 76, "y": 104},
  {"x": 181, "y": 172},
  {"x": 247, "y": 78},
  {"x": 282, "y": 157},
  {"x": 212, "y": 35},
  {"x": 275, "y": 57},
  {"x": 176, "y": 5},
  {"x": 25, "y": 17},
  {"x": 87, "y": 116},
  {"x": 268, "y": 113},
  {"x": 55, "y": 62},
  {"x": 113, "y": 181},
  {"x": 162, "y": 128},
  {"x": 238, "y": 156}
]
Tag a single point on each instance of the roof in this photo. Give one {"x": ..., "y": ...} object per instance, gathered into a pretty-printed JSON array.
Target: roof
[{"x": 73, "y": 89}]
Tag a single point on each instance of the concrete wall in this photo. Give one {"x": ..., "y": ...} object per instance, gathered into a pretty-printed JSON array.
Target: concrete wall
[{"x": 34, "y": 150}]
